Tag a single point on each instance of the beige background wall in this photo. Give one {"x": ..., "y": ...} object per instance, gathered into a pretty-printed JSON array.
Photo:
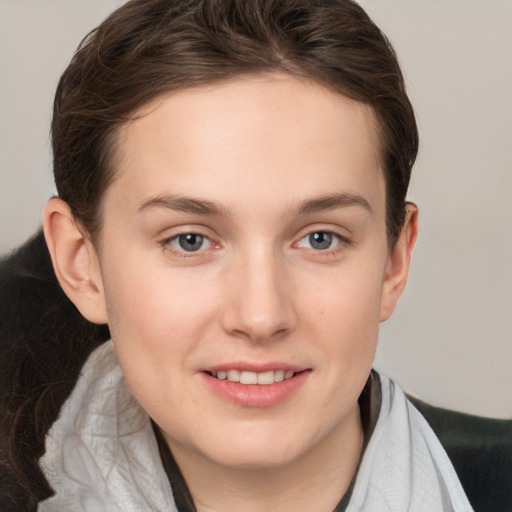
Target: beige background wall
[{"x": 450, "y": 340}]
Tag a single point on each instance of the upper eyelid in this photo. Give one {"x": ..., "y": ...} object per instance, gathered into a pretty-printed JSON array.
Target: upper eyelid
[
  {"x": 176, "y": 237},
  {"x": 343, "y": 241},
  {"x": 180, "y": 253},
  {"x": 174, "y": 231},
  {"x": 342, "y": 233},
  {"x": 182, "y": 233},
  {"x": 340, "y": 238},
  {"x": 166, "y": 236}
]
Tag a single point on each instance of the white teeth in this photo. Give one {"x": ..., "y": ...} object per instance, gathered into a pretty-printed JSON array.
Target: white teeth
[
  {"x": 233, "y": 375},
  {"x": 278, "y": 375},
  {"x": 246, "y": 377},
  {"x": 266, "y": 378}
]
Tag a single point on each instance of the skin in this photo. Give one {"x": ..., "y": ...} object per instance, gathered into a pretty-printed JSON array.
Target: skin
[{"x": 268, "y": 161}]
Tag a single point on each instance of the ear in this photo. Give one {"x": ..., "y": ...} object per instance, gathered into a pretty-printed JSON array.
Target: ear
[
  {"x": 75, "y": 261},
  {"x": 398, "y": 263}
]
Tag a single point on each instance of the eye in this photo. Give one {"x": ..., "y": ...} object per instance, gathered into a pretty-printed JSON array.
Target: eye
[
  {"x": 190, "y": 242},
  {"x": 320, "y": 240}
]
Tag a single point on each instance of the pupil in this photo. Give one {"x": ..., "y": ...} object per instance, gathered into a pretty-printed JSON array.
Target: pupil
[
  {"x": 320, "y": 240},
  {"x": 190, "y": 242}
]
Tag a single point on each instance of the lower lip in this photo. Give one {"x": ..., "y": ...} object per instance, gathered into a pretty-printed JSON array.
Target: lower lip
[{"x": 256, "y": 395}]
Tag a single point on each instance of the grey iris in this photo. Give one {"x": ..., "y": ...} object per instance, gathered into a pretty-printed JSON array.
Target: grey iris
[
  {"x": 190, "y": 242},
  {"x": 320, "y": 240}
]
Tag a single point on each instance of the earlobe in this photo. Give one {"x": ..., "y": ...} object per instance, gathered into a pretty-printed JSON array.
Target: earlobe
[
  {"x": 75, "y": 261},
  {"x": 399, "y": 261}
]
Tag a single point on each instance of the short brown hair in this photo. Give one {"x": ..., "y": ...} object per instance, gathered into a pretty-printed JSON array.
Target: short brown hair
[{"x": 148, "y": 47}]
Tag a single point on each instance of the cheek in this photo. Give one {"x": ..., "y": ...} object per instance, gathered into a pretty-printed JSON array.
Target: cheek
[
  {"x": 153, "y": 302},
  {"x": 156, "y": 323},
  {"x": 346, "y": 300},
  {"x": 344, "y": 318},
  {"x": 155, "y": 329}
]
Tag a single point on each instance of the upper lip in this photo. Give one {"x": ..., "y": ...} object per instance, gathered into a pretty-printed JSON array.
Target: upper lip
[{"x": 255, "y": 367}]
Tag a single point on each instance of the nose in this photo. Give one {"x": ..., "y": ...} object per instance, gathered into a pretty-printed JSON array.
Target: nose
[{"x": 259, "y": 304}]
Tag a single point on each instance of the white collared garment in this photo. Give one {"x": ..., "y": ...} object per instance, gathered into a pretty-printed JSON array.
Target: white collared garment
[{"x": 102, "y": 455}]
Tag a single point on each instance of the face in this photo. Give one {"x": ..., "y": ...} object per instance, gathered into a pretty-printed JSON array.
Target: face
[{"x": 244, "y": 239}]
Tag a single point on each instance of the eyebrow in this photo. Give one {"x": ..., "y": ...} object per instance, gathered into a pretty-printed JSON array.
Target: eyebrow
[
  {"x": 205, "y": 207},
  {"x": 184, "y": 204},
  {"x": 331, "y": 202}
]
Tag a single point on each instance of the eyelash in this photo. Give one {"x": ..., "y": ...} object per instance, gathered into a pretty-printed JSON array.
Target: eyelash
[
  {"x": 342, "y": 242},
  {"x": 168, "y": 244}
]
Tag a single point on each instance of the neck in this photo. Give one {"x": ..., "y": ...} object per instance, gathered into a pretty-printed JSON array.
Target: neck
[{"x": 315, "y": 480}]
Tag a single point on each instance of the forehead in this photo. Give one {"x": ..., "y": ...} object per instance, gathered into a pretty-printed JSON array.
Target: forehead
[{"x": 251, "y": 135}]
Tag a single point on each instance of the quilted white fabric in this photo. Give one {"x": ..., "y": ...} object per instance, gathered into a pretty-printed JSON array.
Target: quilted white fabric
[
  {"x": 405, "y": 467},
  {"x": 101, "y": 454}
]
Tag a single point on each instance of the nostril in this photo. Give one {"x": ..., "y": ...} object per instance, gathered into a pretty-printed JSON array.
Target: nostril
[{"x": 280, "y": 333}]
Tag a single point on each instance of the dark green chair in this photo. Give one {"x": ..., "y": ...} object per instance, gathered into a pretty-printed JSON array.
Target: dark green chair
[{"x": 481, "y": 452}]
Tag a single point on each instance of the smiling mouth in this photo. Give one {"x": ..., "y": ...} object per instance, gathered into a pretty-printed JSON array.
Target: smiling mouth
[{"x": 247, "y": 377}]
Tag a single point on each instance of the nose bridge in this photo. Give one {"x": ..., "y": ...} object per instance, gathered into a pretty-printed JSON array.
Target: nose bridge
[{"x": 260, "y": 307}]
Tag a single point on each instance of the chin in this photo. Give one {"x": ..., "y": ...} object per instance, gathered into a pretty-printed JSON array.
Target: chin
[
  {"x": 249, "y": 447},
  {"x": 249, "y": 458}
]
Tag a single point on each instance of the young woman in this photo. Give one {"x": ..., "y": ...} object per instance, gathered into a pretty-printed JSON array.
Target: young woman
[{"x": 231, "y": 182}]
